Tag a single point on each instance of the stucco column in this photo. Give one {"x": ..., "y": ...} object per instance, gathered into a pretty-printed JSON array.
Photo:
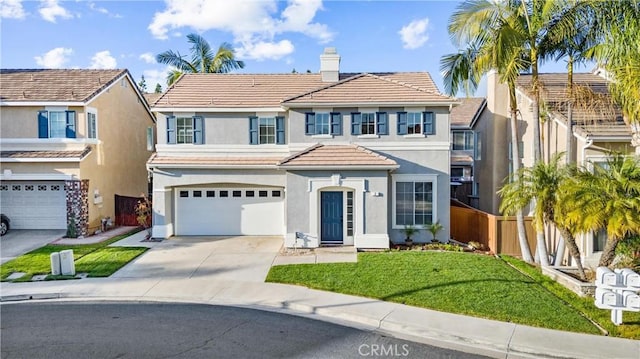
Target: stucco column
[{"x": 162, "y": 213}]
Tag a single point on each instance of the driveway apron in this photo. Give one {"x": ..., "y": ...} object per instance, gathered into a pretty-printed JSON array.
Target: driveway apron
[
  {"x": 240, "y": 258},
  {"x": 20, "y": 241}
]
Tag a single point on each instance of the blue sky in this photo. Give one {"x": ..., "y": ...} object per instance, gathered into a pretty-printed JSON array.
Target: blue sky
[{"x": 270, "y": 36}]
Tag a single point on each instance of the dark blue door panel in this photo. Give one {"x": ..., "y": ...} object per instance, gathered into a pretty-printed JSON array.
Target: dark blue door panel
[{"x": 331, "y": 217}]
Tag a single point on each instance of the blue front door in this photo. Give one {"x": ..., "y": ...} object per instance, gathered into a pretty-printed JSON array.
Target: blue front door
[{"x": 331, "y": 217}]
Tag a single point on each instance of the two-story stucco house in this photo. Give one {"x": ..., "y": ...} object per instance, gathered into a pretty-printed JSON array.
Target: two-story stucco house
[
  {"x": 596, "y": 129},
  {"x": 325, "y": 158},
  {"x": 71, "y": 140}
]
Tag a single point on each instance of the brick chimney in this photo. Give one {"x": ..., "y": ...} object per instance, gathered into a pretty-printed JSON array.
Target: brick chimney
[{"x": 330, "y": 65}]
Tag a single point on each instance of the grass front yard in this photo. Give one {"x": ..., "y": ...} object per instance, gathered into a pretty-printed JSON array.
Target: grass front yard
[
  {"x": 463, "y": 283},
  {"x": 97, "y": 260}
]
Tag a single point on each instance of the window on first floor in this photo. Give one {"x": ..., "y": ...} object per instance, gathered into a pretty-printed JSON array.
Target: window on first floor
[
  {"x": 323, "y": 123},
  {"x": 413, "y": 203},
  {"x": 266, "y": 130},
  {"x": 462, "y": 140},
  {"x": 57, "y": 124},
  {"x": 92, "y": 125},
  {"x": 369, "y": 123},
  {"x": 410, "y": 123},
  {"x": 183, "y": 130}
]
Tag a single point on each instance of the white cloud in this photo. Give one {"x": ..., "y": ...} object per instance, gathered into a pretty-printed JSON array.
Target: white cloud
[
  {"x": 266, "y": 50},
  {"x": 253, "y": 24},
  {"x": 55, "y": 58},
  {"x": 12, "y": 9},
  {"x": 103, "y": 60},
  {"x": 103, "y": 10},
  {"x": 50, "y": 10},
  {"x": 414, "y": 35},
  {"x": 148, "y": 58},
  {"x": 153, "y": 77}
]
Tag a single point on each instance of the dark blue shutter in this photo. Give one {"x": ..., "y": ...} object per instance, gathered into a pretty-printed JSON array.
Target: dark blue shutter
[
  {"x": 43, "y": 124},
  {"x": 382, "y": 123},
  {"x": 336, "y": 124},
  {"x": 70, "y": 128},
  {"x": 171, "y": 129},
  {"x": 198, "y": 130},
  {"x": 402, "y": 123},
  {"x": 280, "y": 130},
  {"x": 310, "y": 124},
  {"x": 253, "y": 130},
  {"x": 428, "y": 126},
  {"x": 356, "y": 119}
]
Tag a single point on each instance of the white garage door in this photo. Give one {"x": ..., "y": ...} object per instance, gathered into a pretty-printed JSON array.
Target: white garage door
[
  {"x": 34, "y": 205},
  {"x": 233, "y": 211}
]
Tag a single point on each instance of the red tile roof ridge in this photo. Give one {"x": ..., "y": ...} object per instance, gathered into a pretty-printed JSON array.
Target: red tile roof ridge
[
  {"x": 303, "y": 152},
  {"x": 368, "y": 151},
  {"x": 333, "y": 84},
  {"x": 408, "y": 85}
]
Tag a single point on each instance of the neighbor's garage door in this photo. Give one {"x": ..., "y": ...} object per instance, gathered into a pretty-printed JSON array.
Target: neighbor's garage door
[
  {"x": 34, "y": 205},
  {"x": 206, "y": 211}
]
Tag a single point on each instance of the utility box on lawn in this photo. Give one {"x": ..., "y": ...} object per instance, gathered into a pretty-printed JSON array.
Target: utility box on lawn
[
  {"x": 55, "y": 263},
  {"x": 67, "y": 265}
]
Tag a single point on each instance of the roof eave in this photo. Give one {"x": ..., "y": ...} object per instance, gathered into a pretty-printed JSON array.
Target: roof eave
[
  {"x": 214, "y": 166},
  {"x": 371, "y": 103},
  {"x": 339, "y": 167}
]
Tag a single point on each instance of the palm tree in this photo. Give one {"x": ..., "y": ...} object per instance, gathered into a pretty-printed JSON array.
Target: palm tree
[
  {"x": 608, "y": 197},
  {"x": 619, "y": 54},
  {"x": 487, "y": 34},
  {"x": 541, "y": 183},
  {"x": 203, "y": 59}
]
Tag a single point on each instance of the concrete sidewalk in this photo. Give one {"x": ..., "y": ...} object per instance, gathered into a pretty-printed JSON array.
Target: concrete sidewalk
[{"x": 488, "y": 337}]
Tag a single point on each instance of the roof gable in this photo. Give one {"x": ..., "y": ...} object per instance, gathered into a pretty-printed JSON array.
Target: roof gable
[
  {"x": 352, "y": 156},
  {"x": 55, "y": 85},
  {"x": 375, "y": 88},
  {"x": 465, "y": 114}
]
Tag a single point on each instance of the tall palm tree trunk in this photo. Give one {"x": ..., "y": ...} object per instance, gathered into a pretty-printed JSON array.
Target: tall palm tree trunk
[
  {"x": 570, "y": 241},
  {"x": 609, "y": 252},
  {"x": 515, "y": 158}
]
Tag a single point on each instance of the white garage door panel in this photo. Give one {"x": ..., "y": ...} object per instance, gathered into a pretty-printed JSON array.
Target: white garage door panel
[
  {"x": 229, "y": 215},
  {"x": 34, "y": 205}
]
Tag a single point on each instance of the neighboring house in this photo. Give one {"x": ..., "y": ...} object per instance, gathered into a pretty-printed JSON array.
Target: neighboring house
[
  {"x": 71, "y": 140},
  {"x": 466, "y": 148},
  {"x": 597, "y": 129},
  {"x": 324, "y": 158}
]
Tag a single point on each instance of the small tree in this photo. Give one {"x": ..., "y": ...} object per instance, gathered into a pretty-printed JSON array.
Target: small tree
[
  {"x": 142, "y": 85},
  {"x": 158, "y": 88},
  {"x": 434, "y": 228},
  {"x": 143, "y": 214}
]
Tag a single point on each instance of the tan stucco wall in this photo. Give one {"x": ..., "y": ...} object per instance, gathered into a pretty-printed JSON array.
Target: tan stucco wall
[
  {"x": 22, "y": 122},
  {"x": 117, "y": 164},
  {"x": 43, "y": 168}
]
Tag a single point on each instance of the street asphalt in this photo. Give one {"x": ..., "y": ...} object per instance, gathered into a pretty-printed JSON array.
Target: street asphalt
[{"x": 230, "y": 272}]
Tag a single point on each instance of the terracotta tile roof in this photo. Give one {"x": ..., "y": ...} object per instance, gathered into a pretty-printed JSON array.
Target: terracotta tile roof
[
  {"x": 464, "y": 114},
  {"x": 213, "y": 161},
  {"x": 53, "y": 85},
  {"x": 46, "y": 154},
  {"x": 337, "y": 156},
  {"x": 594, "y": 116},
  {"x": 461, "y": 159},
  {"x": 270, "y": 90},
  {"x": 236, "y": 90},
  {"x": 151, "y": 97},
  {"x": 406, "y": 88}
]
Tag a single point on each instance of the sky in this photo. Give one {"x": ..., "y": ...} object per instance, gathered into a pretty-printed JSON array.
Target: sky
[{"x": 269, "y": 36}]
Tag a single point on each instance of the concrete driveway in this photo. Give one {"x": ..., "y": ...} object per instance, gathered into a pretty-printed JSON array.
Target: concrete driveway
[
  {"x": 243, "y": 258},
  {"x": 20, "y": 241}
]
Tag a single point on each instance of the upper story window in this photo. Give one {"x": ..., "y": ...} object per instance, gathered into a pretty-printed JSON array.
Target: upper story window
[
  {"x": 57, "y": 124},
  {"x": 92, "y": 125},
  {"x": 369, "y": 123},
  {"x": 415, "y": 123},
  {"x": 183, "y": 130},
  {"x": 266, "y": 130},
  {"x": 323, "y": 124},
  {"x": 463, "y": 140}
]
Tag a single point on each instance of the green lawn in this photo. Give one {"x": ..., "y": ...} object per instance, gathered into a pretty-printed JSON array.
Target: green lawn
[
  {"x": 464, "y": 283},
  {"x": 97, "y": 260}
]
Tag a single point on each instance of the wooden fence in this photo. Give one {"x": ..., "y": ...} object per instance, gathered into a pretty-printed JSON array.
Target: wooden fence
[{"x": 497, "y": 233}]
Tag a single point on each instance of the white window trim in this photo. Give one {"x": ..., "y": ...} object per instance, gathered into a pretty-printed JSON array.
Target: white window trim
[
  {"x": 94, "y": 111},
  {"x": 369, "y": 136},
  {"x": 415, "y": 135},
  {"x": 322, "y": 136},
  {"x": 433, "y": 178}
]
